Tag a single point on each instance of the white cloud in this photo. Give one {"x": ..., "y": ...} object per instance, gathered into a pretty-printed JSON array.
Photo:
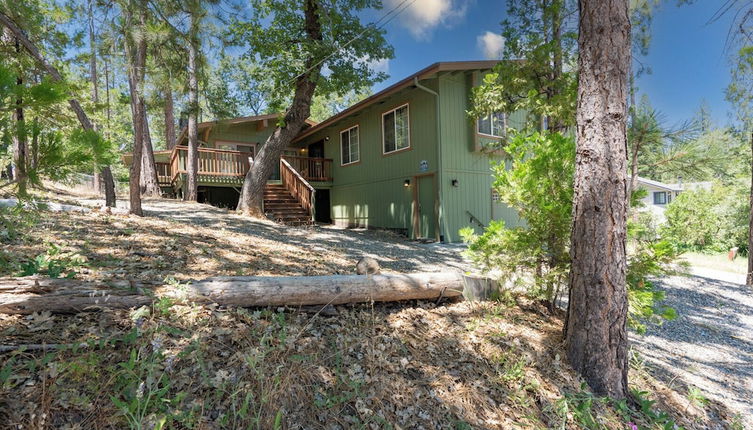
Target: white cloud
[
  {"x": 420, "y": 17},
  {"x": 380, "y": 66},
  {"x": 491, "y": 44}
]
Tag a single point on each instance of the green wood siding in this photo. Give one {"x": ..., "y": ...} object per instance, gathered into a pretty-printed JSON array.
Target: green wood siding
[
  {"x": 462, "y": 162},
  {"x": 371, "y": 192},
  {"x": 245, "y": 132}
]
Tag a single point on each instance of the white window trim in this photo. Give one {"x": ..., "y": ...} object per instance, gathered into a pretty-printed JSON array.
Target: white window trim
[
  {"x": 341, "y": 145},
  {"x": 504, "y": 126},
  {"x": 407, "y": 120},
  {"x": 666, "y": 198}
]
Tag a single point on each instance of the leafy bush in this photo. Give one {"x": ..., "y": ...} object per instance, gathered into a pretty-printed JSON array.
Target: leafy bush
[
  {"x": 54, "y": 263},
  {"x": 539, "y": 185},
  {"x": 709, "y": 220},
  {"x": 650, "y": 259}
]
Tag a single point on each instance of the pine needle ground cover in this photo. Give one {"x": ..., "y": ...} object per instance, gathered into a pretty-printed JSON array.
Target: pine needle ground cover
[{"x": 179, "y": 365}]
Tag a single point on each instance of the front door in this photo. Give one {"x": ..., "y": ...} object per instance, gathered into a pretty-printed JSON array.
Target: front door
[
  {"x": 426, "y": 207},
  {"x": 316, "y": 149}
]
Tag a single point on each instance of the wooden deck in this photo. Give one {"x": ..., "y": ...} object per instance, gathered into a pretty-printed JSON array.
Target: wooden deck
[{"x": 219, "y": 167}]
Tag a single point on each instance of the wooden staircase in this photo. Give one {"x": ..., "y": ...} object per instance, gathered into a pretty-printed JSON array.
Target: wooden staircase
[{"x": 280, "y": 206}]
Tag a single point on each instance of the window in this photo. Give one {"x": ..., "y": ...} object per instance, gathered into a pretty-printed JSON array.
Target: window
[
  {"x": 350, "y": 152},
  {"x": 395, "y": 130},
  {"x": 492, "y": 124},
  {"x": 660, "y": 197}
]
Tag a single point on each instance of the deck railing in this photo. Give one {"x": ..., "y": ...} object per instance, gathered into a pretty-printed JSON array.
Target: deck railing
[
  {"x": 313, "y": 169},
  {"x": 163, "y": 174},
  {"x": 212, "y": 162},
  {"x": 221, "y": 162},
  {"x": 297, "y": 186}
]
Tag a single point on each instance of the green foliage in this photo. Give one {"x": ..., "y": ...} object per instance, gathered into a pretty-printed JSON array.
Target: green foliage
[
  {"x": 539, "y": 186},
  {"x": 537, "y": 183},
  {"x": 324, "y": 107},
  {"x": 58, "y": 156},
  {"x": 54, "y": 263},
  {"x": 15, "y": 220},
  {"x": 274, "y": 36},
  {"x": 650, "y": 259},
  {"x": 739, "y": 91},
  {"x": 712, "y": 220},
  {"x": 545, "y": 83}
]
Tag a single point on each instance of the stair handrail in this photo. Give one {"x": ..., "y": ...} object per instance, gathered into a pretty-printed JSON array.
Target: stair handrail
[
  {"x": 298, "y": 187},
  {"x": 474, "y": 219}
]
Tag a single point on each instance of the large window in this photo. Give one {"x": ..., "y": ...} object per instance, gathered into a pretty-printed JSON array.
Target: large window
[
  {"x": 492, "y": 124},
  {"x": 395, "y": 130},
  {"x": 350, "y": 152},
  {"x": 660, "y": 198}
]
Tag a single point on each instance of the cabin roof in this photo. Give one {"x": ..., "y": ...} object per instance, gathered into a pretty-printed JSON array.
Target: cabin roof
[
  {"x": 239, "y": 120},
  {"x": 425, "y": 73}
]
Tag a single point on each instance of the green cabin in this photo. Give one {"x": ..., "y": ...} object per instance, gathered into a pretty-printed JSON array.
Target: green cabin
[{"x": 407, "y": 159}]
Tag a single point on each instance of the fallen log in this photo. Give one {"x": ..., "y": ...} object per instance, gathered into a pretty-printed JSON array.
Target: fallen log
[{"x": 29, "y": 295}]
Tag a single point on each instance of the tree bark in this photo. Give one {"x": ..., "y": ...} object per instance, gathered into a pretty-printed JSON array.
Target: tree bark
[
  {"x": 169, "y": 110},
  {"x": 749, "y": 278},
  {"x": 136, "y": 55},
  {"x": 75, "y": 105},
  {"x": 252, "y": 193},
  {"x": 192, "y": 180},
  {"x": 149, "y": 181},
  {"x": 29, "y": 295},
  {"x": 596, "y": 325},
  {"x": 93, "y": 78},
  {"x": 20, "y": 149}
]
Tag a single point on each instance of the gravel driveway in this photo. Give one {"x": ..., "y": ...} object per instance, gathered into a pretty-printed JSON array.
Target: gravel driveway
[{"x": 710, "y": 344}]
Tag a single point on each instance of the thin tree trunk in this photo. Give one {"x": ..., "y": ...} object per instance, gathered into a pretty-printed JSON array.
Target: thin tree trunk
[
  {"x": 633, "y": 171},
  {"x": 192, "y": 183},
  {"x": 252, "y": 193},
  {"x": 749, "y": 278},
  {"x": 35, "y": 143},
  {"x": 53, "y": 72},
  {"x": 169, "y": 110},
  {"x": 93, "y": 78},
  {"x": 136, "y": 55},
  {"x": 596, "y": 325},
  {"x": 149, "y": 180},
  {"x": 20, "y": 149}
]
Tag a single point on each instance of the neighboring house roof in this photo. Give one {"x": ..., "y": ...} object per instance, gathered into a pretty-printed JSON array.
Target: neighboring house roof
[
  {"x": 675, "y": 187},
  {"x": 239, "y": 120},
  {"x": 657, "y": 184},
  {"x": 449, "y": 66}
]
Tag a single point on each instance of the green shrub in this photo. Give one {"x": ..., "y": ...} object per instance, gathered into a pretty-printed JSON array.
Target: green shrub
[
  {"x": 709, "y": 220},
  {"x": 539, "y": 185}
]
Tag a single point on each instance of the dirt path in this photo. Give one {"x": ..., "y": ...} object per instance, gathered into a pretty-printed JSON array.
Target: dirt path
[
  {"x": 710, "y": 344},
  {"x": 394, "y": 252}
]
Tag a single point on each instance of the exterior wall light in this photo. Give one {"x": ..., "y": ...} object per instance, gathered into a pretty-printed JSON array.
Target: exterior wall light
[
  {"x": 406, "y": 183},
  {"x": 455, "y": 183}
]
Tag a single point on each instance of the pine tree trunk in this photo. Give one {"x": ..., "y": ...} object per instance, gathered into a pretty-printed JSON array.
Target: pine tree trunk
[
  {"x": 192, "y": 180},
  {"x": 251, "y": 200},
  {"x": 596, "y": 324},
  {"x": 169, "y": 117},
  {"x": 749, "y": 278},
  {"x": 149, "y": 181},
  {"x": 95, "y": 85},
  {"x": 136, "y": 55},
  {"x": 20, "y": 174}
]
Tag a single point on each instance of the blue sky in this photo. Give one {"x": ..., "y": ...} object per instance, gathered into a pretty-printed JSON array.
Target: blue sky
[{"x": 686, "y": 57}]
